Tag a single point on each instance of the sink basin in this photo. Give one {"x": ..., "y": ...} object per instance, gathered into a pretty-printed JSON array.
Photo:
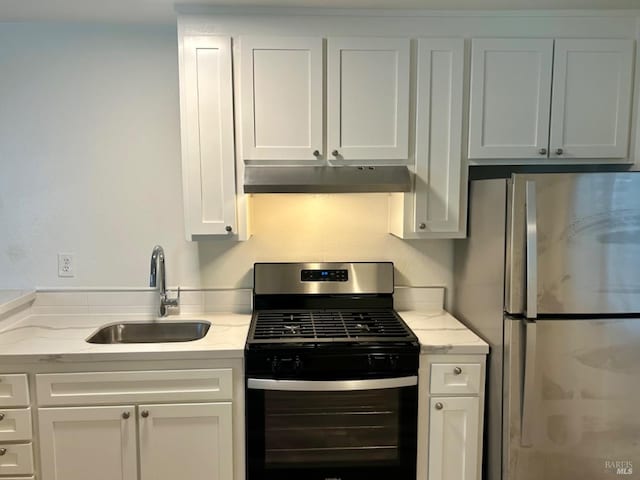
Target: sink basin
[{"x": 150, "y": 332}]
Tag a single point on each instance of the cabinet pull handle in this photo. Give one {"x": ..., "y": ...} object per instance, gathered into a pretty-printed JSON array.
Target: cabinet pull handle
[
  {"x": 144, "y": 413},
  {"x": 335, "y": 153},
  {"x": 457, "y": 371},
  {"x": 439, "y": 406},
  {"x": 316, "y": 153},
  {"x": 125, "y": 415},
  {"x": 228, "y": 228},
  {"x": 422, "y": 226},
  {"x": 1, "y": 416},
  {"x": 559, "y": 151},
  {"x": 3, "y": 451},
  {"x": 542, "y": 151}
]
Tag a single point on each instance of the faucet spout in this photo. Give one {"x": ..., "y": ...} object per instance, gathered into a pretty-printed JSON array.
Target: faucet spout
[{"x": 158, "y": 279}]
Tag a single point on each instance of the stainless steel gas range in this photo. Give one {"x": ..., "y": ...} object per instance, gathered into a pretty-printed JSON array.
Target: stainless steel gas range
[{"x": 331, "y": 375}]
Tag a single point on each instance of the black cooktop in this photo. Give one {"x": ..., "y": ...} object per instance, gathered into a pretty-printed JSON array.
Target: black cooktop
[{"x": 327, "y": 325}]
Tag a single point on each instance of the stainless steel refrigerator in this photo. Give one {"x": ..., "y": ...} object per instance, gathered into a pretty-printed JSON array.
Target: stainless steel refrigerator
[{"x": 550, "y": 276}]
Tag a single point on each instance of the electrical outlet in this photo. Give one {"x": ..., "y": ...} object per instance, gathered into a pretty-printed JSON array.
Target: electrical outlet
[{"x": 66, "y": 268}]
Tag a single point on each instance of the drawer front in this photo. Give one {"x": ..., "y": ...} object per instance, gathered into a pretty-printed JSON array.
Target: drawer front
[
  {"x": 14, "y": 390},
  {"x": 100, "y": 388},
  {"x": 15, "y": 424},
  {"x": 16, "y": 459},
  {"x": 455, "y": 378}
]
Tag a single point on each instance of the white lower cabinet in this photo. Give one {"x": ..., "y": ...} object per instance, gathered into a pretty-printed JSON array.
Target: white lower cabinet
[
  {"x": 187, "y": 442},
  {"x": 167, "y": 425},
  {"x": 450, "y": 420},
  {"x": 88, "y": 442},
  {"x": 453, "y": 438}
]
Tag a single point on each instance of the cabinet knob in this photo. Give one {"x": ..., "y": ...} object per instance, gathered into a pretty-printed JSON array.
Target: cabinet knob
[
  {"x": 1, "y": 416},
  {"x": 542, "y": 151},
  {"x": 335, "y": 153},
  {"x": 316, "y": 153},
  {"x": 144, "y": 413},
  {"x": 457, "y": 371},
  {"x": 559, "y": 151},
  {"x": 422, "y": 226},
  {"x": 125, "y": 415},
  {"x": 3, "y": 451},
  {"x": 439, "y": 406},
  {"x": 228, "y": 228}
]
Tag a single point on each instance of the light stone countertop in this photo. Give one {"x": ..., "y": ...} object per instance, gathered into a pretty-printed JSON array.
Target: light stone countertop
[
  {"x": 56, "y": 337},
  {"x": 440, "y": 332},
  {"x": 13, "y": 299},
  {"x": 61, "y": 336}
]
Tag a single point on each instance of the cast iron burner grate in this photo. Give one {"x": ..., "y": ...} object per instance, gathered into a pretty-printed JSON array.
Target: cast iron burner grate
[{"x": 327, "y": 325}]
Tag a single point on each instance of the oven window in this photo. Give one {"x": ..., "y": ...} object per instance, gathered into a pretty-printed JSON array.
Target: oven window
[{"x": 319, "y": 428}]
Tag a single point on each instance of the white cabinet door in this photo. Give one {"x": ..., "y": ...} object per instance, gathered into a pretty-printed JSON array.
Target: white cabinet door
[
  {"x": 186, "y": 442},
  {"x": 367, "y": 98},
  {"x": 208, "y": 163},
  {"x": 88, "y": 442},
  {"x": 281, "y": 98},
  {"x": 454, "y": 438},
  {"x": 510, "y": 98},
  {"x": 437, "y": 206},
  {"x": 590, "y": 113},
  {"x": 439, "y": 172}
]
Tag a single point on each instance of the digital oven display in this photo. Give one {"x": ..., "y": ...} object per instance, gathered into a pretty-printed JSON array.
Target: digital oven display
[{"x": 324, "y": 275}]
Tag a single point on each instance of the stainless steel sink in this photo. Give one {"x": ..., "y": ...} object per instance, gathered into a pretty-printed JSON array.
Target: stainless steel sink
[{"x": 150, "y": 332}]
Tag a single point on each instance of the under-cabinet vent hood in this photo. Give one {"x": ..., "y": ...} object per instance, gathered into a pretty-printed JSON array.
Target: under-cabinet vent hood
[{"x": 326, "y": 179}]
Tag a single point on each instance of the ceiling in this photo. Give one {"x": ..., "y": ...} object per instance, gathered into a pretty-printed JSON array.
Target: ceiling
[{"x": 162, "y": 11}]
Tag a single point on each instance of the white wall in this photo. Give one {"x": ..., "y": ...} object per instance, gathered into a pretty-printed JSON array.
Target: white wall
[{"x": 89, "y": 164}]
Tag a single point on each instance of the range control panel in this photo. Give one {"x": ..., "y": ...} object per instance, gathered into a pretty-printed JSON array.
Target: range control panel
[{"x": 324, "y": 275}]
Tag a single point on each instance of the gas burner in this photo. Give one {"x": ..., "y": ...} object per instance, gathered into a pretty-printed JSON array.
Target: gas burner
[{"x": 291, "y": 329}]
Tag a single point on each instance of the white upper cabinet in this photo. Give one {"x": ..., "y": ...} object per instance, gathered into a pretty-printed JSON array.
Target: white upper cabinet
[
  {"x": 206, "y": 105},
  {"x": 437, "y": 206},
  {"x": 281, "y": 98},
  {"x": 591, "y": 106},
  {"x": 368, "y": 98},
  {"x": 515, "y": 114},
  {"x": 510, "y": 98}
]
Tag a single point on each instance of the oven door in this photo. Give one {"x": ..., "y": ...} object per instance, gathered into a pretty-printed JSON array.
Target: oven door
[{"x": 329, "y": 430}]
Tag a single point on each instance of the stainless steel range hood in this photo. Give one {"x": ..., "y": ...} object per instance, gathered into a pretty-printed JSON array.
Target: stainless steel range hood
[{"x": 325, "y": 179}]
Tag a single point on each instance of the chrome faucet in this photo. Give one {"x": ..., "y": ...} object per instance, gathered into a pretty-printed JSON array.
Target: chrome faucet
[{"x": 158, "y": 270}]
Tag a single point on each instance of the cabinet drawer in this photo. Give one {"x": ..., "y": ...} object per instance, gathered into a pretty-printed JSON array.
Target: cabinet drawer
[
  {"x": 455, "y": 378},
  {"x": 16, "y": 459},
  {"x": 14, "y": 391},
  {"x": 100, "y": 388},
  {"x": 15, "y": 425}
]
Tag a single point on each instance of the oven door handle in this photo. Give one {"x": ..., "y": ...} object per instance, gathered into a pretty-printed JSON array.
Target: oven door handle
[{"x": 330, "y": 385}]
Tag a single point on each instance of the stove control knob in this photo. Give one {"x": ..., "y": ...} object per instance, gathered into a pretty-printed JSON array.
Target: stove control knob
[
  {"x": 297, "y": 364},
  {"x": 393, "y": 361},
  {"x": 274, "y": 364}
]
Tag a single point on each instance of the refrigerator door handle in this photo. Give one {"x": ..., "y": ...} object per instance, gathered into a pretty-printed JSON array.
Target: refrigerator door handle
[
  {"x": 532, "y": 250},
  {"x": 528, "y": 390}
]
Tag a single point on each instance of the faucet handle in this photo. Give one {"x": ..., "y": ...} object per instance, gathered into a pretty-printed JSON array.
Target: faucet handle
[{"x": 172, "y": 302}]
